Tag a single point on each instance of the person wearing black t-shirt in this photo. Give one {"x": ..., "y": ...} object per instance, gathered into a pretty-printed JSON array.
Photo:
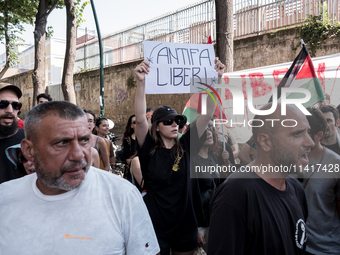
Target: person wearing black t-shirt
[
  {"x": 10, "y": 134},
  {"x": 211, "y": 154},
  {"x": 330, "y": 138},
  {"x": 264, "y": 212},
  {"x": 165, "y": 164}
]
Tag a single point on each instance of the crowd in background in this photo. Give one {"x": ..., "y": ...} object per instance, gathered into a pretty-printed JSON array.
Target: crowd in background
[{"x": 210, "y": 210}]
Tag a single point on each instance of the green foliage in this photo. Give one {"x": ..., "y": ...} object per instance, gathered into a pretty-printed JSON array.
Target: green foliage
[
  {"x": 13, "y": 54},
  {"x": 18, "y": 12},
  {"x": 84, "y": 69},
  {"x": 49, "y": 32},
  {"x": 317, "y": 29},
  {"x": 79, "y": 10},
  {"x": 24, "y": 12}
]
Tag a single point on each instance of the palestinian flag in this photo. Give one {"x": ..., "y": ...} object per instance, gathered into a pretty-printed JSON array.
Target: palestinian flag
[
  {"x": 301, "y": 74},
  {"x": 192, "y": 108}
]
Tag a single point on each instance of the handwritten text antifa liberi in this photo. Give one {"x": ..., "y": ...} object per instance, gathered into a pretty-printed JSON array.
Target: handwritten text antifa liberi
[{"x": 188, "y": 63}]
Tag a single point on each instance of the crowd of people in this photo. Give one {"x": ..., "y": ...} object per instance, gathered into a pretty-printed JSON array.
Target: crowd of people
[{"x": 171, "y": 199}]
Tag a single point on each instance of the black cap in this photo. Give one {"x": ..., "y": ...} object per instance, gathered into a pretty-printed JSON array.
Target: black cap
[
  {"x": 14, "y": 88},
  {"x": 165, "y": 113}
]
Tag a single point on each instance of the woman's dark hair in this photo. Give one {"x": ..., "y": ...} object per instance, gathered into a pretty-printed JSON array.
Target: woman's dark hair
[
  {"x": 98, "y": 121},
  {"x": 128, "y": 129},
  {"x": 90, "y": 112},
  {"x": 217, "y": 147},
  {"x": 177, "y": 150},
  {"x": 94, "y": 119}
]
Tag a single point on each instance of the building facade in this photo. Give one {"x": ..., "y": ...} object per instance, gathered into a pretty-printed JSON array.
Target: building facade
[
  {"x": 195, "y": 23},
  {"x": 54, "y": 60}
]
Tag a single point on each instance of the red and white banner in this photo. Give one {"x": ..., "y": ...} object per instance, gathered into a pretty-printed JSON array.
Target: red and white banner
[{"x": 261, "y": 80}]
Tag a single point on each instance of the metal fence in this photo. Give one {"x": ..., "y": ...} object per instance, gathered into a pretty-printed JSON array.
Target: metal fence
[{"x": 194, "y": 24}]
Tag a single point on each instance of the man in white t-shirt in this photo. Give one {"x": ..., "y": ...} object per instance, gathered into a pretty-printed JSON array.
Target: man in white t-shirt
[{"x": 68, "y": 207}]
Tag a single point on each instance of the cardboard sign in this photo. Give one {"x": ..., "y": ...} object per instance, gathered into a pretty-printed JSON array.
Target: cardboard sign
[{"x": 178, "y": 67}]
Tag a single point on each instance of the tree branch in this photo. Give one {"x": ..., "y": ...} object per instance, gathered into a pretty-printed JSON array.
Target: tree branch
[
  {"x": 3, "y": 71},
  {"x": 52, "y": 8}
]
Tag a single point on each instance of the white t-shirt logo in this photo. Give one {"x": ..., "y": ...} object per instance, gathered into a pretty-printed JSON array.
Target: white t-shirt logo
[{"x": 300, "y": 233}]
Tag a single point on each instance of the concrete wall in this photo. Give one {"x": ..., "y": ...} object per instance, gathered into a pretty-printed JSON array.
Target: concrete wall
[
  {"x": 119, "y": 97},
  {"x": 25, "y": 82},
  {"x": 267, "y": 49}
]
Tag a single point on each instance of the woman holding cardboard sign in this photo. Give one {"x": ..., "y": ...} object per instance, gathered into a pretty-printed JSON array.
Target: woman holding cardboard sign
[{"x": 165, "y": 162}]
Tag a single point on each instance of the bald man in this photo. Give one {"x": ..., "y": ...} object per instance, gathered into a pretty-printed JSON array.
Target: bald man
[{"x": 259, "y": 210}]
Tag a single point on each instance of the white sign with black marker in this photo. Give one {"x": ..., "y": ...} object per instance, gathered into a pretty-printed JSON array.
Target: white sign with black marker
[{"x": 174, "y": 67}]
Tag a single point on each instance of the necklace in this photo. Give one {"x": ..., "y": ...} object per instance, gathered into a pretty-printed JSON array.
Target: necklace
[{"x": 323, "y": 153}]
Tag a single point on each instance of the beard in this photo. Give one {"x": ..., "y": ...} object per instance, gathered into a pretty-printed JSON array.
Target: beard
[
  {"x": 10, "y": 130},
  {"x": 56, "y": 180},
  {"x": 283, "y": 156}
]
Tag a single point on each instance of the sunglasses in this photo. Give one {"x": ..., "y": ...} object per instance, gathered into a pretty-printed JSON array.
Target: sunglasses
[
  {"x": 133, "y": 122},
  {"x": 169, "y": 122},
  {"x": 5, "y": 103},
  {"x": 210, "y": 128}
]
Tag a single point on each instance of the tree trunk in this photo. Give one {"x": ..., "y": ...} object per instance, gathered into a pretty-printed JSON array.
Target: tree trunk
[
  {"x": 38, "y": 76},
  {"x": 70, "y": 54},
  {"x": 5, "y": 68},
  {"x": 39, "y": 43},
  {"x": 225, "y": 33}
]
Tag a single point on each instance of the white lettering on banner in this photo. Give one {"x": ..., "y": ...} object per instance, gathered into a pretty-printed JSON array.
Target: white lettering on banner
[
  {"x": 178, "y": 67},
  {"x": 253, "y": 123},
  {"x": 261, "y": 80},
  {"x": 238, "y": 100}
]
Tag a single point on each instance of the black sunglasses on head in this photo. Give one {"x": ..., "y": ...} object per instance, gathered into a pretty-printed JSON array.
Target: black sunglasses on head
[
  {"x": 5, "y": 103},
  {"x": 169, "y": 122}
]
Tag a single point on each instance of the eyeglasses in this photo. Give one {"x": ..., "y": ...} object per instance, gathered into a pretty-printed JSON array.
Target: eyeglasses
[
  {"x": 133, "y": 122},
  {"x": 5, "y": 103},
  {"x": 169, "y": 122}
]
